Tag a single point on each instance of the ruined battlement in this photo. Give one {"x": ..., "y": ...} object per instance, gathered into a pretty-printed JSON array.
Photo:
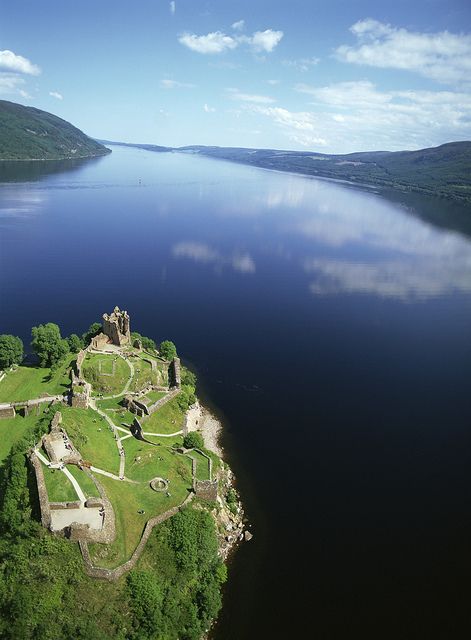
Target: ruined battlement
[{"x": 117, "y": 327}]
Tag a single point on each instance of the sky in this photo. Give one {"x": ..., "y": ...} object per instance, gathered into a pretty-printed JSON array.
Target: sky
[{"x": 332, "y": 76}]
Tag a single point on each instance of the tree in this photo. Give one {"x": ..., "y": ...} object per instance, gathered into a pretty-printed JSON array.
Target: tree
[
  {"x": 93, "y": 330},
  {"x": 75, "y": 343},
  {"x": 193, "y": 440},
  {"x": 188, "y": 377},
  {"x": 48, "y": 344},
  {"x": 11, "y": 351},
  {"x": 168, "y": 350},
  {"x": 147, "y": 343}
]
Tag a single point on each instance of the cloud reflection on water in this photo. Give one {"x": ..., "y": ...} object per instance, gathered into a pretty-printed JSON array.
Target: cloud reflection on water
[{"x": 200, "y": 252}]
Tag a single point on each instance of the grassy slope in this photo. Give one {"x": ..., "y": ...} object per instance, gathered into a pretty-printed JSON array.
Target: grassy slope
[
  {"x": 27, "y": 133},
  {"x": 443, "y": 170},
  {"x": 167, "y": 419},
  {"x": 11, "y": 430},
  {"x": 28, "y": 382},
  {"x": 106, "y": 384}
]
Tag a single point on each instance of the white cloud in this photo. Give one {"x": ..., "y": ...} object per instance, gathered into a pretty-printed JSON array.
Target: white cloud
[
  {"x": 235, "y": 94},
  {"x": 173, "y": 7},
  {"x": 167, "y": 83},
  {"x": 10, "y": 83},
  {"x": 14, "y": 63},
  {"x": 214, "y": 42},
  {"x": 265, "y": 40},
  {"x": 219, "y": 42},
  {"x": 56, "y": 94},
  {"x": 209, "y": 109},
  {"x": 200, "y": 252},
  {"x": 301, "y": 64},
  {"x": 300, "y": 127},
  {"x": 239, "y": 25},
  {"x": 273, "y": 82},
  {"x": 443, "y": 56},
  {"x": 370, "y": 119}
]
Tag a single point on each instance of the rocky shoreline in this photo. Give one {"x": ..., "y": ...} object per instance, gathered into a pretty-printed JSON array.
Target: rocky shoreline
[{"x": 229, "y": 512}]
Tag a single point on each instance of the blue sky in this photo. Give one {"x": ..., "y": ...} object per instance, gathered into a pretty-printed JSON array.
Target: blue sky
[{"x": 331, "y": 76}]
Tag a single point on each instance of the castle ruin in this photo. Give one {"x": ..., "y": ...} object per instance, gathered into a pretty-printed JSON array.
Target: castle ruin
[{"x": 116, "y": 330}]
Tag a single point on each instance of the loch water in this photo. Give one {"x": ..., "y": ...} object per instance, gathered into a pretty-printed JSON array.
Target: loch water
[{"x": 330, "y": 327}]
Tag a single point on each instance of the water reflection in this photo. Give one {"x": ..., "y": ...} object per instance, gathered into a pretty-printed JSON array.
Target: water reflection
[{"x": 203, "y": 253}]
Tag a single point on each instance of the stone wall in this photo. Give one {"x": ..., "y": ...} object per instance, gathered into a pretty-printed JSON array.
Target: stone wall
[
  {"x": 174, "y": 372},
  {"x": 42, "y": 491},
  {"x": 7, "y": 411},
  {"x": 115, "y": 574},
  {"x": 207, "y": 490},
  {"x": 100, "y": 341}
]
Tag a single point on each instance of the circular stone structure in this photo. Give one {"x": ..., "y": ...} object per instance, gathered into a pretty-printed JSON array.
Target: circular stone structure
[{"x": 159, "y": 484}]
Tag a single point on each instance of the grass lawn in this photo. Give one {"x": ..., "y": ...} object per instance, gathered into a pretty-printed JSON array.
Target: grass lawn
[
  {"x": 144, "y": 462},
  {"x": 59, "y": 488},
  {"x": 28, "y": 382},
  {"x": 106, "y": 384},
  {"x": 86, "y": 484},
  {"x": 153, "y": 396},
  {"x": 143, "y": 375},
  {"x": 167, "y": 419},
  {"x": 92, "y": 436},
  {"x": 127, "y": 500},
  {"x": 202, "y": 465},
  {"x": 12, "y": 429},
  {"x": 116, "y": 411}
]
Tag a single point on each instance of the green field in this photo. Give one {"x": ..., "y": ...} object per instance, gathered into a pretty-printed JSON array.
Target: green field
[
  {"x": 59, "y": 488},
  {"x": 106, "y": 384},
  {"x": 127, "y": 500},
  {"x": 86, "y": 484},
  {"x": 28, "y": 382},
  {"x": 143, "y": 376},
  {"x": 167, "y": 419},
  {"x": 153, "y": 396},
  {"x": 92, "y": 436},
  {"x": 202, "y": 465},
  {"x": 11, "y": 430},
  {"x": 119, "y": 414}
]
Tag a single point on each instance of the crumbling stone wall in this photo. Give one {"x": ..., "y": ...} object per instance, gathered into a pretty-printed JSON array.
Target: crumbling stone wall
[
  {"x": 175, "y": 373},
  {"x": 117, "y": 327},
  {"x": 207, "y": 490},
  {"x": 115, "y": 574},
  {"x": 42, "y": 491},
  {"x": 7, "y": 411}
]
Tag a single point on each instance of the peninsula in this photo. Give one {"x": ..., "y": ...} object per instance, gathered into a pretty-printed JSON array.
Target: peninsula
[{"x": 112, "y": 485}]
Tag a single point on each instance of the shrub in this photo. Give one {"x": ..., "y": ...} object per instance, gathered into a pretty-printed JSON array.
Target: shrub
[
  {"x": 11, "y": 351},
  {"x": 193, "y": 440}
]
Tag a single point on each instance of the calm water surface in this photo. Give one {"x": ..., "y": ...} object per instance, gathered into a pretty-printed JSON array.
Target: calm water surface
[{"x": 333, "y": 329}]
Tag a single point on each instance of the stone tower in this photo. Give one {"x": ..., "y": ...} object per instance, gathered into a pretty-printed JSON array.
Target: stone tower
[{"x": 116, "y": 327}]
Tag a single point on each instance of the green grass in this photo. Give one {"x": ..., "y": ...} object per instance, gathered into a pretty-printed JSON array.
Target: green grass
[
  {"x": 143, "y": 375},
  {"x": 12, "y": 429},
  {"x": 108, "y": 385},
  {"x": 59, "y": 488},
  {"x": 86, "y": 484},
  {"x": 127, "y": 500},
  {"x": 153, "y": 396},
  {"x": 29, "y": 382},
  {"x": 202, "y": 465},
  {"x": 91, "y": 435},
  {"x": 116, "y": 411},
  {"x": 167, "y": 419}
]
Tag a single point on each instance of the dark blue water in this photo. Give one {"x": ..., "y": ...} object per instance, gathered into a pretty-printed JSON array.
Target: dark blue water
[{"x": 332, "y": 328}]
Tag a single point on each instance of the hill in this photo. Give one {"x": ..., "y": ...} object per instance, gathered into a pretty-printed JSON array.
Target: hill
[
  {"x": 27, "y": 133},
  {"x": 443, "y": 171}
]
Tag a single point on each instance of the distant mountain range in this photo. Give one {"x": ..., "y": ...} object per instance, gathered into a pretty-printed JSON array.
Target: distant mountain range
[
  {"x": 27, "y": 133},
  {"x": 443, "y": 171}
]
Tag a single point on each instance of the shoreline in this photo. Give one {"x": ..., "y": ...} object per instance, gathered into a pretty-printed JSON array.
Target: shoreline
[{"x": 229, "y": 515}]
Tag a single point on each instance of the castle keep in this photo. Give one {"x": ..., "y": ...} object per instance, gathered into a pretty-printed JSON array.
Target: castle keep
[{"x": 116, "y": 330}]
